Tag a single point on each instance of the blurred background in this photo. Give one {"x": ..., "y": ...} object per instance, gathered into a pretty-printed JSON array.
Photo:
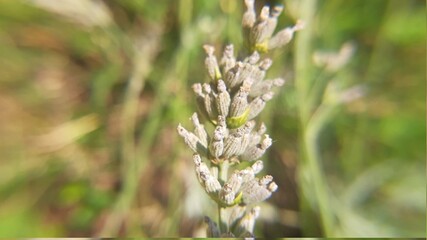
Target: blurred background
[{"x": 91, "y": 93}]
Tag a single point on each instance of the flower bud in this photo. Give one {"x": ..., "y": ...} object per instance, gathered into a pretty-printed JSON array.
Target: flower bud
[
  {"x": 272, "y": 187},
  {"x": 216, "y": 147},
  {"x": 235, "y": 181},
  {"x": 265, "y": 64},
  {"x": 257, "y": 135},
  {"x": 211, "y": 63},
  {"x": 247, "y": 128},
  {"x": 228, "y": 60},
  {"x": 239, "y": 103},
  {"x": 254, "y": 192},
  {"x": 272, "y": 21},
  {"x": 258, "y": 150},
  {"x": 206, "y": 179},
  {"x": 247, "y": 174},
  {"x": 232, "y": 144},
  {"x": 258, "y": 104},
  {"x": 260, "y": 30},
  {"x": 209, "y": 102},
  {"x": 249, "y": 16},
  {"x": 200, "y": 99},
  {"x": 266, "y": 180},
  {"x": 192, "y": 140},
  {"x": 252, "y": 59},
  {"x": 284, "y": 36},
  {"x": 257, "y": 166},
  {"x": 232, "y": 77},
  {"x": 263, "y": 87},
  {"x": 246, "y": 224},
  {"x": 199, "y": 130},
  {"x": 227, "y": 194},
  {"x": 221, "y": 121},
  {"x": 247, "y": 73},
  {"x": 236, "y": 214},
  {"x": 212, "y": 184},
  {"x": 223, "y": 99},
  {"x": 258, "y": 73}
]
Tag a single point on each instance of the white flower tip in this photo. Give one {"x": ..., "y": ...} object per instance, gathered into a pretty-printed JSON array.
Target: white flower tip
[
  {"x": 253, "y": 58},
  {"x": 267, "y": 141},
  {"x": 257, "y": 166},
  {"x": 267, "y": 97},
  {"x": 250, "y": 4},
  {"x": 250, "y": 124},
  {"x": 209, "y": 49},
  {"x": 278, "y": 82},
  {"x": 300, "y": 24},
  {"x": 276, "y": 11},
  {"x": 197, "y": 159},
  {"x": 266, "y": 180},
  {"x": 180, "y": 129},
  {"x": 197, "y": 88},
  {"x": 221, "y": 86},
  {"x": 272, "y": 187},
  {"x": 207, "y": 87},
  {"x": 265, "y": 64},
  {"x": 195, "y": 119},
  {"x": 265, "y": 12}
]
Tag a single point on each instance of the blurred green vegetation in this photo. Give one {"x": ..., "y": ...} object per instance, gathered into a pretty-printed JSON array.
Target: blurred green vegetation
[{"x": 91, "y": 93}]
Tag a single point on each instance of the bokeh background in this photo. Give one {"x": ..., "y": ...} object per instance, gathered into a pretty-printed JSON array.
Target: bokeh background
[{"x": 91, "y": 93}]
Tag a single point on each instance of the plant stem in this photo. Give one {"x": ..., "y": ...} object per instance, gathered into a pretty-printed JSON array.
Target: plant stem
[
  {"x": 318, "y": 121},
  {"x": 304, "y": 68},
  {"x": 311, "y": 124},
  {"x": 220, "y": 225},
  {"x": 223, "y": 176}
]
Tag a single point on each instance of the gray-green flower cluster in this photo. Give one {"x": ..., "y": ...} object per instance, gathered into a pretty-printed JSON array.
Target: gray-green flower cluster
[{"x": 234, "y": 97}]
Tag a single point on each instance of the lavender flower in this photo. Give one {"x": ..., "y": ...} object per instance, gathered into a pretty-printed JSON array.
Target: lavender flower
[{"x": 236, "y": 94}]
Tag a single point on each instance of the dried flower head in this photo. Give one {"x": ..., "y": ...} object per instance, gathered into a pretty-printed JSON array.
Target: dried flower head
[{"x": 236, "y": 94}]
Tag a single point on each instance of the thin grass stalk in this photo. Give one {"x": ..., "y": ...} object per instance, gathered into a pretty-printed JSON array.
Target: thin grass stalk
[
  {"x": 319, "y": 120},
  {"x": 312, "y": 123},
  {"x": 132, "y": 165}
]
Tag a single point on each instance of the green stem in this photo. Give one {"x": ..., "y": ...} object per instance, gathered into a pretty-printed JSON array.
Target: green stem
[
  {"x": 318, "y": 121},
  {"x": 304, "y": 68},
  {"x": 312, "y": 124},
  {"x": 223, "y": 176},
  {"x": 220, "y": 224}
]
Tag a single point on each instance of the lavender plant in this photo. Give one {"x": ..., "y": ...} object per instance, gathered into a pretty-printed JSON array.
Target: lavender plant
[{"x": 234, "y": 97}]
